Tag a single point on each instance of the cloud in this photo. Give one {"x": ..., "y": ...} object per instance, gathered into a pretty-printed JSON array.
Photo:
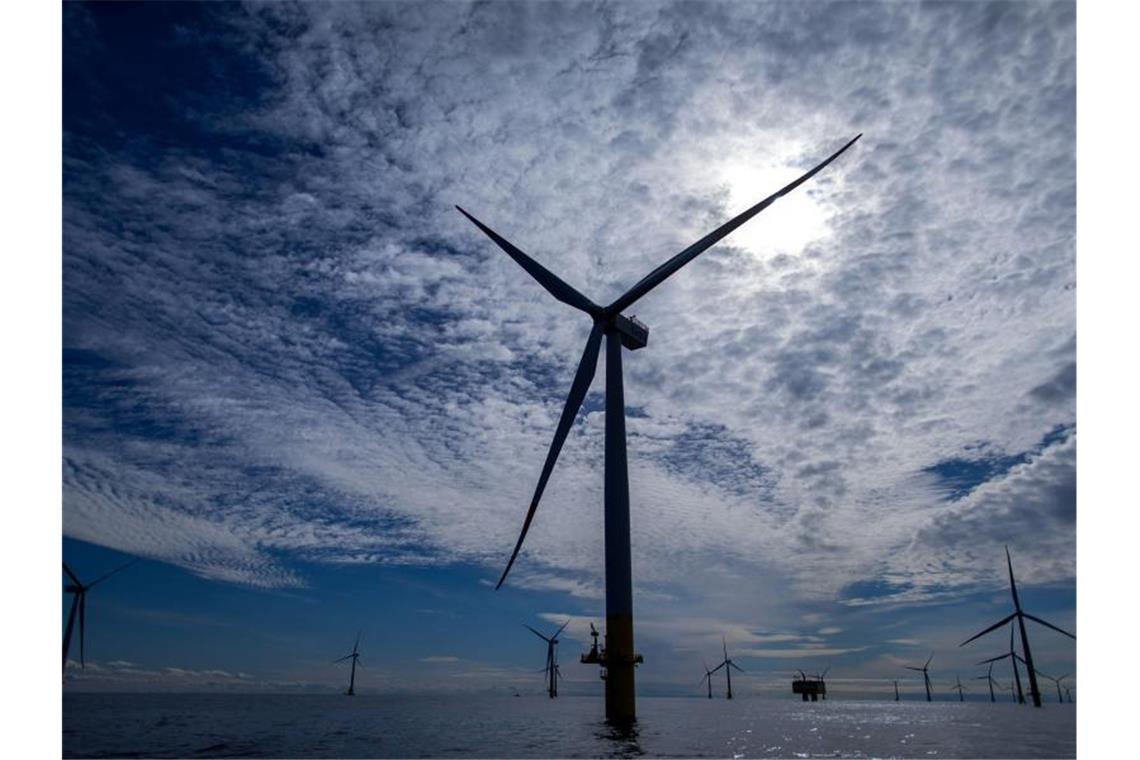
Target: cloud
[{"x": 283, "y": 345}]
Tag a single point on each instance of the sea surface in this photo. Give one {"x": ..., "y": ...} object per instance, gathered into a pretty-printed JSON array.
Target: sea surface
[{"x": 298, "y": 726}]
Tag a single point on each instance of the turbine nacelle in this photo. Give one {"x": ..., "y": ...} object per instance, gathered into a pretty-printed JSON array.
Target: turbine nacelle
[{"x": 633, "y": 333}]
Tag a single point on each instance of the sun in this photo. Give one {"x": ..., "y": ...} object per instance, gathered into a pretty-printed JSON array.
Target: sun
[{"x": 787, "y": 226}]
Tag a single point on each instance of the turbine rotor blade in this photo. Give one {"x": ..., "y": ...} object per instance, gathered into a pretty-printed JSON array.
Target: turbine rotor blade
[
  {"x": 928, "y": 659},
  {"x": 998, "y": 624},
  {"x": 582, "y": 379},
  {"x": 733, "y": 664},
  {"x": 993, "y": 659},
  {"x": 71, "y": 575},
  {"x": 536, "y": 633},
  {"x": 560, "y": 630},
  {"x": 342, "y": 659},
  {"x": 547, "y": 279},
  {"x": 718, "y": 667},
  {"x": 1049, "y": 625},
  {"x": 663, "y": 272},
  {"x": 105, "y": 576}
]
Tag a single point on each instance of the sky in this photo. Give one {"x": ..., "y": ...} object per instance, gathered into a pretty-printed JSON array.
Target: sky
[{"x": 314, "y": 400}]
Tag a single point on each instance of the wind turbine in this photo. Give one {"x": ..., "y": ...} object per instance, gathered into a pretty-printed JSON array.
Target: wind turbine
[
  {"x": 727, "y": 664},
  {"x": 822, "y": 685},
  {"x": 620, "y": 331},
  {"x": 1021, "y": 615},
  {"x": 959, "y": 688},
  {"x": 79, "y": 604},
  {"x": 708, "y": 675},
  {"x": 896, "y": 690},
  {"x": 1013, "y": 659},
  {"x": 989, "y": 679},
  {"x": 552, "y": 673},
  {"x": 1058, "y": 682},
  {"x": 925, "y": 675},
  {"x": 354, "y": 655}
]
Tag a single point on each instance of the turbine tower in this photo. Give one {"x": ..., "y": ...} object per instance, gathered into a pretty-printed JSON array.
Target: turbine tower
[
  {"x": 896, "y": 690},
  {"x": 79, "y": 590},
  {"x": 620, "y": 331},
  {"x": 727, "y": 664},
  {"x": 925, "y": 675},
  {"x": 1021, "y": 615},
  {"x": 959, "y": 688},
  {"x": 1014, "y": 657},
  {"x": 989, "y": 679},
  {"x": 354, "y": 655},
  {"x": 551, "y": 669}
]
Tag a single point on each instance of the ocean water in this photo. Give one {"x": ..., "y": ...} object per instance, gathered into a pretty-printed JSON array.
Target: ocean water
[{"x": 292, "y": 725}]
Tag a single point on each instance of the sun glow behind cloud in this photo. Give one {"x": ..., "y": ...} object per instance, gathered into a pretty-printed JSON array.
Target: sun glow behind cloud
[{"x": 802, "y": 218}]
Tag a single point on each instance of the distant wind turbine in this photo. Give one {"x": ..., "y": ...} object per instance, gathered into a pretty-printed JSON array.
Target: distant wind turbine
[
  {"x": 1057, "y": 681},
  {"x": 989, "y": 679},
  {"x": 959, "y": 688},
  {"x": 1014, "y": 657},
  {"x": 727, "y": 664},
  {"x": 551, "y": 669},
  {"x": 896, "y": 690},
  {"x": 709, "y": 674},
  {"x": 354, "y": 655},
  {"x": 79, "y": 590},
  {"x": 1021, "y": 615},
  {"x": 925, "y": 675},
  {"x": 822, "y": 684},
  {"x": 620, "y": 331}
]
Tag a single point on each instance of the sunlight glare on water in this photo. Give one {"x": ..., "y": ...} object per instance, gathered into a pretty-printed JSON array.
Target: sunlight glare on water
[{"x": 211, "y": 725}]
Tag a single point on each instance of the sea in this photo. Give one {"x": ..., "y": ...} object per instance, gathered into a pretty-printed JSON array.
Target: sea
[{"x": 382, "y": 726}]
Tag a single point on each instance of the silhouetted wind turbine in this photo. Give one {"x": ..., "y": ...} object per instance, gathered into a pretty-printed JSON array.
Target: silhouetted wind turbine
[
  {"x": 354, "y": 655},
  {"x": 620, "y": 331},
  {"x": 1058, "y": 682},
  {"x": 552, "y": 672},
  {"x": 709, "y": 674},
  {"x": 989, "y": 679},
  {"x": 1013, "y": 658},
  {"x": 1020, "y": 615},
  {"x": 959, "y": 688},
  {"x": 79, "y": 604},
  {"x": 822, "y": 685},
  {"x": 728, "y": 664},
  {"x": 925, "y": 675}
]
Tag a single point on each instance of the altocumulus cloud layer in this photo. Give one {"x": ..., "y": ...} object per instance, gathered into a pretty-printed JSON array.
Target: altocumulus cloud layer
[{"x": 282, "y": 343}]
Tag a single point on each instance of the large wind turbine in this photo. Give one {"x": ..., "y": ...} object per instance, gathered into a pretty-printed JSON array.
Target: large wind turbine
[
  {"x": 79, "y": 604},
  {"x": 727, "y": 664},
  {"x": 620, "y": 331},
  {"x": 925, "y": 675},
  {"x": 551, "y": 670},
  {"x": 959, "y": 688},
  {"x": 354, "y": 655},
  {"x": 1014, "y": 658},
  {"x": 989, "y": 679},
  {"x": 1021, "y": 615}
]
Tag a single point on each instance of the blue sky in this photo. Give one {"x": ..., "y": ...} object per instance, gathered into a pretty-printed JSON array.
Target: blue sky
[{"x": 314, "y": 400}]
